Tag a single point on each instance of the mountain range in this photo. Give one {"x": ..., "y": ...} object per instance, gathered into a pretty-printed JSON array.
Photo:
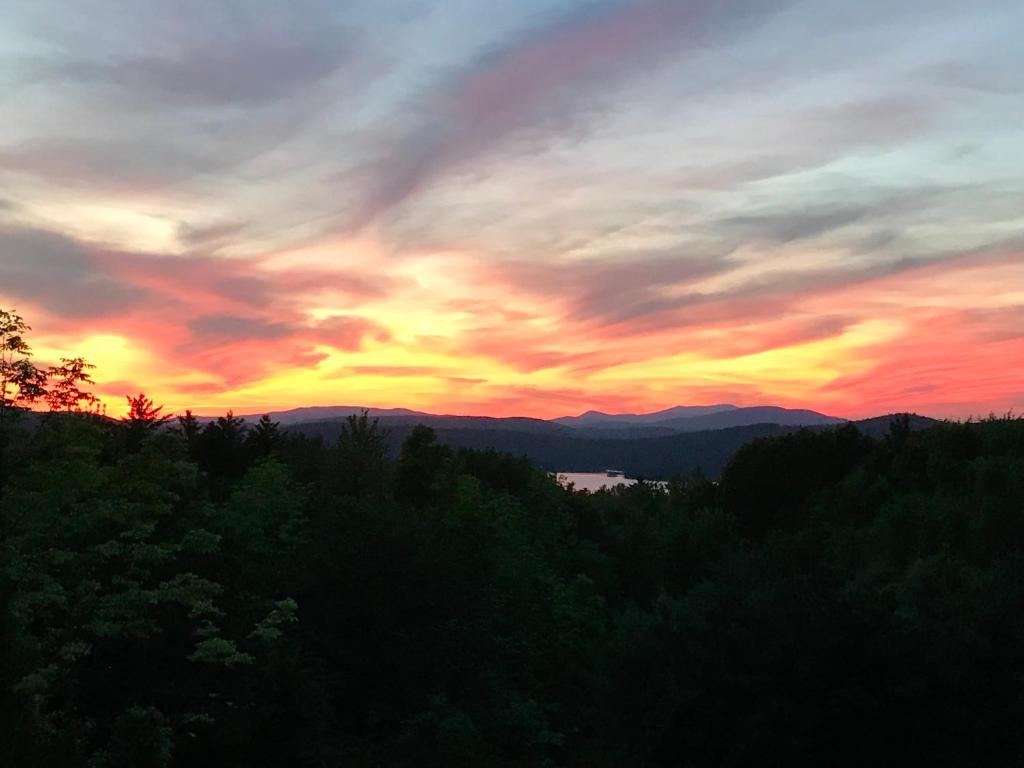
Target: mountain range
[
  {"x": 589, "y": 424},
  {"x": 655, "y": 445}
]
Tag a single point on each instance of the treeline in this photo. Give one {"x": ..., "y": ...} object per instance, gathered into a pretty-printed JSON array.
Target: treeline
[
  {"x": 649, "y": 457},
  {"x": 177, "y": 594},
  {"x": 228, "y": 596},
  {"x": 556, "y": 448}
]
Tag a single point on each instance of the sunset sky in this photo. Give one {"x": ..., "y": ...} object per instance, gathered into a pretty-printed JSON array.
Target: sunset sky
[{"x": 529, "y": 207}]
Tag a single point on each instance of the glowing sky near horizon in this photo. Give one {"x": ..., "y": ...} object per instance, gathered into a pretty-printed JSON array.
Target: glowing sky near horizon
[{"x": 529, "y": 207}]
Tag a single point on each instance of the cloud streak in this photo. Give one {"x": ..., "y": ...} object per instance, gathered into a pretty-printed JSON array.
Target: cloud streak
[{"x": 547, "y": 81}]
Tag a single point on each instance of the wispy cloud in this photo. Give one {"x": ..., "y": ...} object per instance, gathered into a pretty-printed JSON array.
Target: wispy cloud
[{"x": 548, "y": 81}]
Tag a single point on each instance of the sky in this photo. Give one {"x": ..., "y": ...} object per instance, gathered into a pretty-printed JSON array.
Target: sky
[{"x": 528, "y": 207}]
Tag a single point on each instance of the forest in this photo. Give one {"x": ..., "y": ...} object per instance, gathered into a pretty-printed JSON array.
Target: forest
[{"x": 180, "y": 593}]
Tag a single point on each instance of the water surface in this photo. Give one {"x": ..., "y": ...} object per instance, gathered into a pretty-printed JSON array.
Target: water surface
[{"x": 592, "y": 481}]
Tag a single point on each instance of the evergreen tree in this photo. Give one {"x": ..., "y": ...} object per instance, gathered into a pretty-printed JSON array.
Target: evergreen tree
[
  {"x": 188, "y": 427},
  {"x": 143, "y": 419},
  {"x": 223, "y": 450},
  {"x": 265, "y": 438},
  {"x": 361, "y": 468}
]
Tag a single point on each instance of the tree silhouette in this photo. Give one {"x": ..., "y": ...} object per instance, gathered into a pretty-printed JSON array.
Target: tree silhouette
[
  {"x": 188, "y": 427},
  {"x": 21, "y": 382},
  {"x": 265, "y": 437},
  {"x": 361, "y": 452},
  {"x": 65, "y": 393},
  {"x": 144, "y": 417},
  {"x": 222, "y": 447},
  {"x": 420, "y": 478},
  {"x": 143, "y": 411}
]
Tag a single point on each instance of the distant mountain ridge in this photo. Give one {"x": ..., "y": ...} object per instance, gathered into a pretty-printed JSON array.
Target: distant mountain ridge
[
  {"x": 599, "y": 418},
  {"x": 653, "y": 445},
  {"x": 745, "y": 417},
  {"x": 325, "y": 413},
  {"x": 597, "y": 424},
  {"x": 567, "y": 449}
]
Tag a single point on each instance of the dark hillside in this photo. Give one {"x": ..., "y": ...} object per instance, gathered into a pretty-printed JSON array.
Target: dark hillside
[{"x": 573, "y": 450}]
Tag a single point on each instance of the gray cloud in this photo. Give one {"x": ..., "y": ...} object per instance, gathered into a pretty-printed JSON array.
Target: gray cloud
[
  {"x": 60, "y": 274},
  {"x": 774, "y": 295},
  {"x": 342, "y": 332},
  {"x": 76, "y": 279},
  {"x": 219, "y": 54},
  {"x": 875, "y": 207},
  {"x": 128, "y": 166},
  {"x": 194, "y": 236},
  {"x": 789, "y": 226},
  {"x": 225, "y": 328}
]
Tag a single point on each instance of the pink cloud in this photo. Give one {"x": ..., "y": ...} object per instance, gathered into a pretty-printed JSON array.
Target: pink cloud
[{"x": 545, "y": 82}]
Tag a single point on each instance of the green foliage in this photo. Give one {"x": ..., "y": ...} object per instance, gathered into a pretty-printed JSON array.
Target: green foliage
[
  {"x": 113, "y": 600},
  {"x": 141, "y": 737}
]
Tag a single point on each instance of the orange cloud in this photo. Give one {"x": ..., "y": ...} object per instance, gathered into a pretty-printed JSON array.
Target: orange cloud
[{"x": 941, "y": 338}]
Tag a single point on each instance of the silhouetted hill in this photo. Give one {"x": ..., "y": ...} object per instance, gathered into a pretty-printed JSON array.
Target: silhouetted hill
[
  {"x": 623, "y": 431},
  {"x": 567, "y": 450},
  {"x": 320, "y": 413},
  {"x": 653, "y": 457},
  {"x": 879, "y": 426},
  {"x": 656, "y": 445},
  {"x": 591, "y": 425},
  {"x": 403, "y": 416},
  {"x": 600, "y": 419},
  {"x": 473, "y": 423},
  {"x": 693, "y": 419},
  {"x": 742, "y": 417}
]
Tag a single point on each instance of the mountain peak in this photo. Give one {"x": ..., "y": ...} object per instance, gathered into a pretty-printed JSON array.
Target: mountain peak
[
  {"x": 596, "y": 418},
  {"x": 688, "y": 418}
]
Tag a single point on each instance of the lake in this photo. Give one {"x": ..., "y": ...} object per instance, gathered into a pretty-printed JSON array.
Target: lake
[{"x": 592, "y": 481}]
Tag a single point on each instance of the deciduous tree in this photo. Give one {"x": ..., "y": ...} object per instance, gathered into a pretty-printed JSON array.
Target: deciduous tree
[
  {"x": 21, "y": 382},
  {"x": 65, "y": 392}
]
